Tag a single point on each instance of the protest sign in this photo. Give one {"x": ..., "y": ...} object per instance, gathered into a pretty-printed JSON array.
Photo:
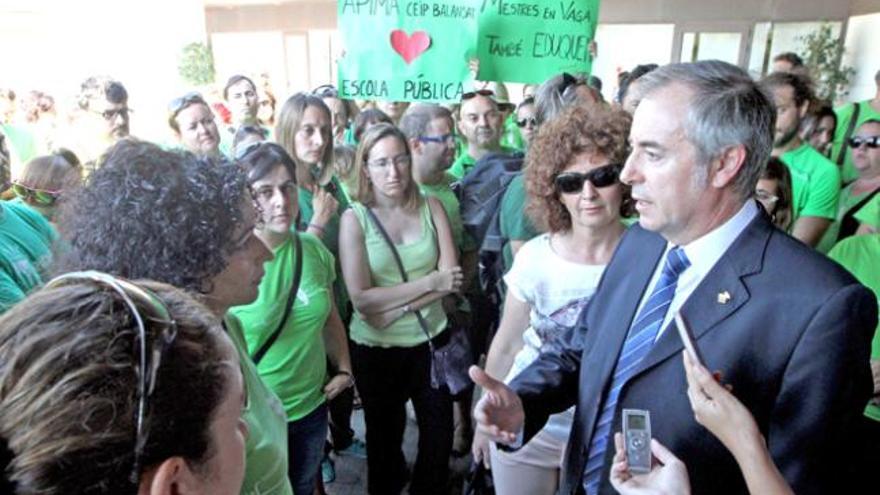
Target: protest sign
[
  {"x": 531, "y": 42},
  {"x": 418, "y": 50},
  {"x": 406, "y": 50}
]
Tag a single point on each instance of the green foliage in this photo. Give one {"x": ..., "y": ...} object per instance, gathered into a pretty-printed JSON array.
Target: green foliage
[
  {"x": 197, "y": 64},
  {"x": 822, "y": 52}
]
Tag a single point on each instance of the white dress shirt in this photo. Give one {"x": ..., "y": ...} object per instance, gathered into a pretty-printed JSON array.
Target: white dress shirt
[{"x": 703, "y": 253}]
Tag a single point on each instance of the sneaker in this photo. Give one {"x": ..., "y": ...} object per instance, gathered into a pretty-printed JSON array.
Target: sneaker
[
  {"x": 328, "y": 470},
  {"x": 358, "y": 448}
]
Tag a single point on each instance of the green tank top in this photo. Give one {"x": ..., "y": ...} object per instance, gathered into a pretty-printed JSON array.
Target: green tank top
[{"x": 419, "y": 259}]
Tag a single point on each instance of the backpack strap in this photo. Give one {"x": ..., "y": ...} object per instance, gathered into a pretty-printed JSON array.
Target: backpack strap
[
  {"x": 848, "y": 223},
  {"x": 841, "y": 156},
  {"x": 291, "y": 300}
]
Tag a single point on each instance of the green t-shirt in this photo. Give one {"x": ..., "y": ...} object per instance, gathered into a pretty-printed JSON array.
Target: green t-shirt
[
  {"x": 444, "y": 193},
  {"x": 847, "y": 201},
  {"x": 295, "y": 366},
  {"x": 870, "y": 213},
  {"x": 844, "y": 114},
  {"x": 514, "y": 223},
  {"x": 815, "y": 183},
  {"x": 859, "y": 255},
  {"x": 419, "y": 259},
  {"x": 512, "y": 138},
  {"x": 330, "y": 237},
  {"x": 465, "y": 162},
  {"x": 26, "y": 239},
  {"x": 22, "y": 146},
  {"x": 266, "y": 447}
]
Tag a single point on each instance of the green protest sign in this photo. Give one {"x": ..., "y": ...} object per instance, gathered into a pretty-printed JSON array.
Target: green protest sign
[
  {"x": 531, "y": 42},
  {"x": 407, "y": 50},
  {"x": 418, "y": 50}
]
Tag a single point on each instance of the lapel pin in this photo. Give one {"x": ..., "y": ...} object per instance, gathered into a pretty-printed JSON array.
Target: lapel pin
[{"x": 724, "y": 297}]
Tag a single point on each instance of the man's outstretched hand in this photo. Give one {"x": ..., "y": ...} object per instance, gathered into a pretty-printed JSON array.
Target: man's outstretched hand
[{"x": 499, "y": 412}]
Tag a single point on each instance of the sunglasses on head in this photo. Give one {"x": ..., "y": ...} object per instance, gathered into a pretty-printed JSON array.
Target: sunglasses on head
[
  {"x": 184, "y": 101},
  {"x": 488, "y": 93},
  {"x": 872, "y": 142},
  {"x": 42, "y": 197},
  {"x": 572, "y": 182},
  {"x": 326, "y": 91},
  {"x": 526, "y": 122}
]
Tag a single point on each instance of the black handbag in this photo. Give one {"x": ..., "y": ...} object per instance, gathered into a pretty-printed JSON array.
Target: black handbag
[
  {"x": 478, "y": 480},
  {"x": 450, "y": 362}
]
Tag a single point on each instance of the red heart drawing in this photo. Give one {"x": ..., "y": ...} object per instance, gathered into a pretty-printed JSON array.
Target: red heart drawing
[{"x": 410, "y": 47}]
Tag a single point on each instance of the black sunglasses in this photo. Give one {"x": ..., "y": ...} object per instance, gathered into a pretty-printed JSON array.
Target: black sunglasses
[
  {"x": 872, "y": 142},
  {"x": 572, "y": 182},
  {"x": 488, "y": 93},
  {"x": 526, "y": 122}
]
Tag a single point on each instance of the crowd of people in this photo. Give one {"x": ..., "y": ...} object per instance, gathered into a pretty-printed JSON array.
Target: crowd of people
[{"x": 203, "y": 316}]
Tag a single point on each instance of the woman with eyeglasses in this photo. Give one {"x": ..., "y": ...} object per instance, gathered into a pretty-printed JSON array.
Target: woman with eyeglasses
[
  {"x": 194, "y": 126},
  {"x": 773, "y": 191},
  {"x": 862, "y": 192},
  {"x": 109, "y": 387},
  {"x": 190, "y": 223},
  {"x": 575, "y": 195},
  {"x": 395, "y": 316},
  {"x": 296, "y": 305},
  {"x": 45, "y": 178}
]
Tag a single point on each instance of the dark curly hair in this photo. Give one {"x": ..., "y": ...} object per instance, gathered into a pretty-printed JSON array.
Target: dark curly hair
[
  {"x": 150, "y": 213},
  {"x": 68, "y": 389},
  {"x": 594, "y": 129}
]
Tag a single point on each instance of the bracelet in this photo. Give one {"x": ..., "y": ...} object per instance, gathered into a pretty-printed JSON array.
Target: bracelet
[
  {"x": 407, "y": 309},
  {"x": 349, "y": 375},
  {"x": 318, "y": 227}
]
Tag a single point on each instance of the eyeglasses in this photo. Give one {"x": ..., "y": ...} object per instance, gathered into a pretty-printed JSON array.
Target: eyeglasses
[
  {"x": 445, "y": 138},
  {"x": 530, "y": 122},
  {"x": 43, "y": 197},
  {"x": 111, "y": 113},
  {"x": 398, "y": 160},
  {"x": 488, "y": 93},
  {"x": 137, "y": 299},
  {"x": 572, "y": 182},
  {"x": 872, "y": 142},
  {"x": 184, "y": 101}
]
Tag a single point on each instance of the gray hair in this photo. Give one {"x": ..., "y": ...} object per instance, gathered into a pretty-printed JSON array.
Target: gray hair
[
  {"x": 414, "y": 122},
  {"x": 727, "y": 109},
  {"x": 555, "y": 95}
]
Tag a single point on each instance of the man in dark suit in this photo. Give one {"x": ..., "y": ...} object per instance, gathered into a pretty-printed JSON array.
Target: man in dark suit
[{"x": 790, "y": 329}]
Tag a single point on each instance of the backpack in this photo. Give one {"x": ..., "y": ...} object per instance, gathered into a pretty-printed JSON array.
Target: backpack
[{"x": 480, "y": 193}]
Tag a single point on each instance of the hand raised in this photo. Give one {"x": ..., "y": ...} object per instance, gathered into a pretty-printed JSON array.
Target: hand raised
[{"x": 499, "y": 412}]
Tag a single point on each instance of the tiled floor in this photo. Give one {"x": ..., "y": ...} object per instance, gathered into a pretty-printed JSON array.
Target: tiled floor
[{"x": 351, "y": 472}]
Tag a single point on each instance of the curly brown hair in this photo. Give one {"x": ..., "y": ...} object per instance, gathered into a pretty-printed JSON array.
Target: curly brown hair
[{"x": 594, "y": 129}]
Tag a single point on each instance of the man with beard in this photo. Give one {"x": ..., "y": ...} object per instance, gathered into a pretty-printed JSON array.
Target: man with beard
[
  {"x": 815, "y": 180},
  {"x": 103, "y": 118},
  {"x": 481, "y": 124}
]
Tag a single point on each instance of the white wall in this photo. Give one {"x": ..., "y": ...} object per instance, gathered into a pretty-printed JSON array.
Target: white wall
[
  {"x": 863, "y": 53},
  {"x": 58, "y": 44}
]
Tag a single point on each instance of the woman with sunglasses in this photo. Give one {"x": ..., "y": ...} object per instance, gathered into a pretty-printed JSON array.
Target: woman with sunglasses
[
  {"x": 110, "y": 387},
  {"x": 308, "y": 332},
  {"x": 575, "y": 195},
  {"x": 190, "y": 223},
  {"x": 862, "y": 192},
  {"x": 194, "y": 126},
  {"x": 45, "y": 178},
  {"x": 395, "y": 315}
]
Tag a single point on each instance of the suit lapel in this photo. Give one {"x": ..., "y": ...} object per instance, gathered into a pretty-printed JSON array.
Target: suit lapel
[{"x": 719, "y": 294}]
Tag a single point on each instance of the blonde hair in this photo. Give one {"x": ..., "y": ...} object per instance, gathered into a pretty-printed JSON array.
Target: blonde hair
[
  {"x": 287, "y": 125},
  {"x": 363, "y": 192}
]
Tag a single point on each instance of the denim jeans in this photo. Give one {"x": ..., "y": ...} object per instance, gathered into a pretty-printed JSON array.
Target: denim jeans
[{"x": 305, "y": 449}]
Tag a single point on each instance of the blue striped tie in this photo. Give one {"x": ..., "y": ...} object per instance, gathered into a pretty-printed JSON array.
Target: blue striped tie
[{"x": 637, "y": 345}]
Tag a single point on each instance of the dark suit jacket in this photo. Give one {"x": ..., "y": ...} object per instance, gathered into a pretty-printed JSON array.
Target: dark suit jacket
[{"x": 793, "y": 340}]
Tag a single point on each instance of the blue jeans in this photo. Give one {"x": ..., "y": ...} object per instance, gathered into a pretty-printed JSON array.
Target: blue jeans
[{"x": 305, "y": 449}]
